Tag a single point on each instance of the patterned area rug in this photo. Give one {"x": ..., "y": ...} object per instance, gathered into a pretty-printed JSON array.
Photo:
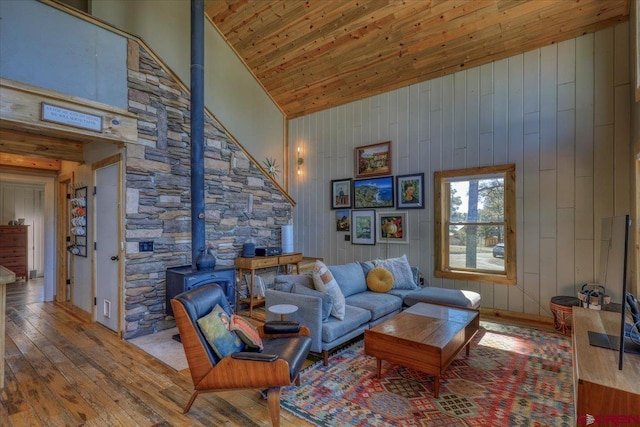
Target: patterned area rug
[{"x": 513, "y": 377}]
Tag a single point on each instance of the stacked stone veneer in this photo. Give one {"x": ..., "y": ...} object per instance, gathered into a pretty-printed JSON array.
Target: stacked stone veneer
[{"x": 158, "y": 193}]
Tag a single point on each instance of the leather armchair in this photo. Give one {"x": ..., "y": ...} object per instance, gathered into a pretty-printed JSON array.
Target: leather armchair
[{"x": 286, "y": 346}]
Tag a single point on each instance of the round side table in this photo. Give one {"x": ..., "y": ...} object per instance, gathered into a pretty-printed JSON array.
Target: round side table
[
  {"x": 283, "y": 309},
  {"x": 561, "y": 308}
]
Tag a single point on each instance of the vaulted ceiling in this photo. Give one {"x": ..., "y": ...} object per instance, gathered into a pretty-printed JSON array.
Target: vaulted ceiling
[{"x": 316, "y": 54}]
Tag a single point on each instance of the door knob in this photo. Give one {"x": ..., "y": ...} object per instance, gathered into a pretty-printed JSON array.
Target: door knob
[{"x": 115, "y": 258}]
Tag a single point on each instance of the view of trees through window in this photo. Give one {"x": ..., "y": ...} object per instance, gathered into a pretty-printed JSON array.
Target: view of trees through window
[{"x": 477, "y": 224}]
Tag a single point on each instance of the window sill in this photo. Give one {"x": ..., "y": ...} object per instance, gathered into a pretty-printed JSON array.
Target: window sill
[{"x": 476, "y": 277}]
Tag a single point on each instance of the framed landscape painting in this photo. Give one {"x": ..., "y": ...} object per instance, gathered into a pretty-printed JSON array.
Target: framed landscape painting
[
  {"x": 373, "y": 193},
  {"x": 341, "y": 193},
  {"x": 410, "y": 191},
  {"x": 392, "y": 227},
  {"x": 373, "y": 160},
  {"x": 343, "y": 220},
  {"x": 363, "y": 229}
]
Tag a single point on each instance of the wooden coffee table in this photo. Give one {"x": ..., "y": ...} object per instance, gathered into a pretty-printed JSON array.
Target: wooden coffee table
[{"x": 425, "y": 337}]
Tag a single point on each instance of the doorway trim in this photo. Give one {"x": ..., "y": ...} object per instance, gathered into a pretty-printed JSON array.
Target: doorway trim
[{"x": 62, "y": 227}]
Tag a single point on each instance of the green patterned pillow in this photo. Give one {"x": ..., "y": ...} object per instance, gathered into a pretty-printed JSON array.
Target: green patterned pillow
[{"x": 215, "y": 328}]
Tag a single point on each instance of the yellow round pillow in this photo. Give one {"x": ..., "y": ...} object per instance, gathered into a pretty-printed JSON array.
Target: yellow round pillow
[{"x": 379, "y": 279}]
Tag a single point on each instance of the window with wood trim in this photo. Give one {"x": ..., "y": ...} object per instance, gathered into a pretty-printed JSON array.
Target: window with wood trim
[{"x": 475, "y": 219}]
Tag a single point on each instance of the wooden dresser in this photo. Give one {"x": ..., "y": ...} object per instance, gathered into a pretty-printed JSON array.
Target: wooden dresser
[{"x": 14, "y": 249}]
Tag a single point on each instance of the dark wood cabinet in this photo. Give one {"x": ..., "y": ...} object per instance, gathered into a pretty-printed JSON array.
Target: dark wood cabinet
[
  {"x": 602, "y": 393},
  {"x": 14, "y": 249}
]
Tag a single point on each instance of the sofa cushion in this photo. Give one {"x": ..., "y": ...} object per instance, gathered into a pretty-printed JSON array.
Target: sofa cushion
[
  {"x": 367, "y": 266},
  {"x": 349, "y": 277},
  {"x": 285, "y": 282},
  {"x": 379, "y": 279},
  {"x": 215, "y": 328},
  {"x": 401, "y": 293},
  {"x": 444, "y": 296},
  {"x": 327, "y": 303},
  {"x": 324, "y": 282},
  {"x": 353, "y": 319},
  {"x": 377, "y": 304},
  {"x": 401, "y": 270}
]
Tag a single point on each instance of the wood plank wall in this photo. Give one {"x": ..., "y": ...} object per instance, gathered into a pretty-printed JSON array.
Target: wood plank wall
[{"x": 560, "y": 113}]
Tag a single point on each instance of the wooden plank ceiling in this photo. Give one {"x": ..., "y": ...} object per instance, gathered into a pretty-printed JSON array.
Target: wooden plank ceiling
[{"x": 316, "y": 54}]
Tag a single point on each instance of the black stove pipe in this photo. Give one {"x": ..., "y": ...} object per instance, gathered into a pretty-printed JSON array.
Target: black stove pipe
[{"x": 197, "y": 130}]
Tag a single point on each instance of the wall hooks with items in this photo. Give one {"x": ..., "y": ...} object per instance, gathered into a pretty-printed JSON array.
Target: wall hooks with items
[{"x": 79, "y": 222}]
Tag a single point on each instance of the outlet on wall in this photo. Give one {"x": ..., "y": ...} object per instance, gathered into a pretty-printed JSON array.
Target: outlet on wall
[{"x": 145, "y": 246}]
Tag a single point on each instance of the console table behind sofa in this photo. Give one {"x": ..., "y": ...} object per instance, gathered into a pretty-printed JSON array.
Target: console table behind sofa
[{"x": 258, "y": 262}]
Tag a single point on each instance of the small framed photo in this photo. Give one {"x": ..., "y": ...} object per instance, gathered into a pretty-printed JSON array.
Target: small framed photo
[
  {"x": 341, "y": 193},
  {"x": 410, "y": 191},
  {"x": 363, "y": 229},
  {"x": 373, "y": 160},
  {"x": 392, "y": 227},
  {"x": 343, "y": 220},
  {"x": 373, "y": 193}
]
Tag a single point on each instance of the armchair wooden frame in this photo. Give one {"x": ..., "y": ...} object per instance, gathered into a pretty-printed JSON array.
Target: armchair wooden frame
[{"x": 230, "y": 373}]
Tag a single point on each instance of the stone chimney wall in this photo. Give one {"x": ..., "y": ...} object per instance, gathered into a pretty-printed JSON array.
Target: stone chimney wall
[{"x": 158, "y": 194}]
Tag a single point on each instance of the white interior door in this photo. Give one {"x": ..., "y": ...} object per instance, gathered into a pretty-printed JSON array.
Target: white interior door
[{"x": 107, "y": 251}]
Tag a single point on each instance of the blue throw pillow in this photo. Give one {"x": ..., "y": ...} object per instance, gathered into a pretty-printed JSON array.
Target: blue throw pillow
[
  {"x": 215, "y": 328},
  {"x": 327, "y": 304}
]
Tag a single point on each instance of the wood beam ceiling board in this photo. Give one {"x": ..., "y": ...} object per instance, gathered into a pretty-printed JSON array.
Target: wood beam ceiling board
[
  {"x": 370, "y": 79},
  {"x": 372, "y": 36},
  {"x": 236, "y": 15},
  {"x": 342, "y": 27},
  {"x": 276, "y": 28},
  {"x": 315, "y": 55},
  {"x": 13, "y": 160},
  {"x": 314, "y": 65},
  {"x": 21, "y": 108},
  {"x": 29, "y": 144}
]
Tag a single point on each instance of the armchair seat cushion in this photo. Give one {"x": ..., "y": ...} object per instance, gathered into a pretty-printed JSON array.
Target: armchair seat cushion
[{"x": 292, "y": 349}]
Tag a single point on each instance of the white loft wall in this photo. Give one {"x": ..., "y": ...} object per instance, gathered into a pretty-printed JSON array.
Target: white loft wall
[
  {"x": 232, "y": 94},
  {"x": 560, "y": 113}
]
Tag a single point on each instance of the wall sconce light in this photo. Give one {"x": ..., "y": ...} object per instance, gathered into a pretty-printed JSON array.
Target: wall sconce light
[{"x": 300, "y": 162}]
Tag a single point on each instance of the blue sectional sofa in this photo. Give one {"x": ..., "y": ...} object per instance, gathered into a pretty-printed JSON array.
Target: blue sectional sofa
[{"x": 363, "y": 308}]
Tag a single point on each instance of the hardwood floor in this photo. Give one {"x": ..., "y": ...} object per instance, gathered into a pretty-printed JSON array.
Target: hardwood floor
[
  {"x": 21, "y": 293},
  {"x": 60, "y": 371}
]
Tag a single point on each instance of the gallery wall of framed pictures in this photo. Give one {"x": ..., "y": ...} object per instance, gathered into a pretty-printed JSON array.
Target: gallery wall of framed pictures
[{"x": 355, "y": 200}]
